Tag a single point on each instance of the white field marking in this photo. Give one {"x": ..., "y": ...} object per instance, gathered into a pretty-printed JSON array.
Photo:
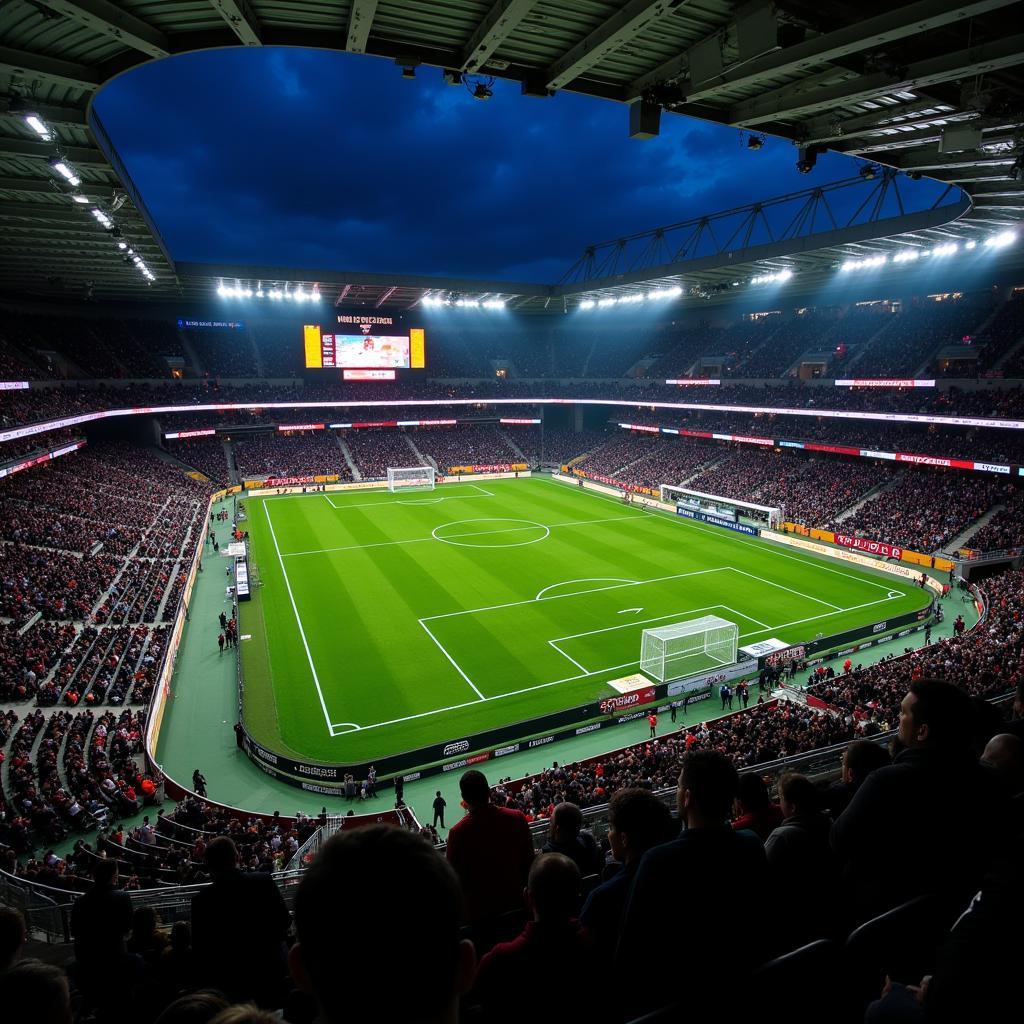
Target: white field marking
[
  {"x": 799, "y": 593},
  {"x": 665, "y": 517},
  {"x": 554, "y": 644},
  {"x": 631, "y": 611},
  {"x": 484, "y": 493},
  {"x": 578, "y": 593},
  {"x": 453, "y": 538},
  {"x": 455, "y": 664},
  {"x": 601, "y": 671},
  {"x": 420, "y": 540},
  {"x": 347, "y": 726},
  {"x": 584, "y": 579},
  {"x": 298, "y": 620},
  {"x": 658, "y": 618}
]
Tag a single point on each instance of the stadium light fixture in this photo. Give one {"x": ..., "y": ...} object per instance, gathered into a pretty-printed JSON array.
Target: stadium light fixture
[
  {"x": 605, "y": 303},
  {"x": 630, "y": 299},
  {"x": 777, "y": 277},
  {"x": 587, "y": 304},
  {"x": 864, "y": 264},
  {"x": 906, "y": 256},
  {"x": 36, "y": 123},
  {"x": 122, "y": 245},
  {"x": 972, "y": 244},
  {"x": 65, "y": 172},
  {"x": 101, "y": 217},
  {"x": 80, "y": 199},
  {"x": 949, "y": 249},
  {"x": 494, "y": 304}
]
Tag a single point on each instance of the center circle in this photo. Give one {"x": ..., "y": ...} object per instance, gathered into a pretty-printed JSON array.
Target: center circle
[{"x": 497, "y": 533}]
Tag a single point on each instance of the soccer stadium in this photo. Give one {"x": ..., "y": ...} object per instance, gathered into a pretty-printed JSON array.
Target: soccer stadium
[{"x": 398, "y": 585}]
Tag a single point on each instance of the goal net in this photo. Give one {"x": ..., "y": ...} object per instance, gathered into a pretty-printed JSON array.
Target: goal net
[
  {"x": 686, "y": 648},
  {"x": 420, "y": 477}
]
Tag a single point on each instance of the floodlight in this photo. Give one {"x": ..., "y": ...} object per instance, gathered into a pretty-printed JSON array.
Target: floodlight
[
  {"x": 35, "y": 123},
  {"x": 587, "y": 304},
  {"x": 1000, "y": 241},
  {"x": 80, "y": 199}
]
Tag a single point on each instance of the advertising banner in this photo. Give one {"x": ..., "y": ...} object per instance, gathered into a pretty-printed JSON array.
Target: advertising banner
[
  {"x": 704, "y": 517},
  {"x": 872, "y": 547}
]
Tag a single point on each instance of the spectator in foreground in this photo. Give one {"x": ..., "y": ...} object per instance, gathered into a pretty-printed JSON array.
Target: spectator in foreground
[
  {"x": 568, "y": 837},
  {"x": 902, "y": 813},
  {"x": 552, "y": 937},
  {"x": 674, "y": 883},
  {"x": 195, "y": 1008},
  {"x": 239, "y": 924},
  {"x": 100, "y": 920},
  {"x": 36, "y": 992},
  {"x": 637, "y": 821},
  {"x": 491, "y": 850},
  {"x": 860, "y": 759},
  {"x": 798, "y": 851},
  {"x": 12, "y": 936},
  {"x": 400, "y": 879},
  {"x": 754, "y": 808}
]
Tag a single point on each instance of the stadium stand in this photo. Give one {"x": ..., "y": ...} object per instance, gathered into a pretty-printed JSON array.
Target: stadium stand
[{"x": 304, "y": 454}]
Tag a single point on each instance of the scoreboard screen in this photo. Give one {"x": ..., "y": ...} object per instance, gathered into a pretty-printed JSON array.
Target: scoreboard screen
[{"x": 373, "y": 343}]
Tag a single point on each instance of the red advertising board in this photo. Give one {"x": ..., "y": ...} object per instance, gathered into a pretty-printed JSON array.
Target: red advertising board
[
  {"x": 623, "y": 701},
  {"x": 872, "y": 547}
]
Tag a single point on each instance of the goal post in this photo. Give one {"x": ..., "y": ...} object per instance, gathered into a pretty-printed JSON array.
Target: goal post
[
  {"x": 686, "y": 648},
  {"x": 419, "y": 477}
]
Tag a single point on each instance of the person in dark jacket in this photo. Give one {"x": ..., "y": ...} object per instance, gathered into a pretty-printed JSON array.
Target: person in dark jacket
[
  {"x": 860, "y": 759},
  {"x": 553, "y": 938},
  {"x": 677, "y": 882},
  {"x": 239, "y": 924},
  {"x": 934, "y": 807},
  {"x": 801, "y": 863},
  {"x": 753, "y": 807},
  {"x": 567, "y": 836},
  {"x": 637, "y": 821}
]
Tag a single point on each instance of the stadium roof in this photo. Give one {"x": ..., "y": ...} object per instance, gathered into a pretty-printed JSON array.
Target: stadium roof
[{"x": 929, "y": 88}]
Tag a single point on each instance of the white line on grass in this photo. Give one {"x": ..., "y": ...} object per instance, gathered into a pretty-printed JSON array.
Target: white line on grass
[
  {"x": 484, "y": 493},
  {"x": 455, "y": 664},
  {"x": 455, "y": 536},
  {"x": 585, "y": 579},
  {"x": 554, "y": 644},
  {"x": 799, "y": 593},
  {"x": 298, "y": 620},
  {"x": 666, "y": 517},
  {"x": 601, "y": 671}
]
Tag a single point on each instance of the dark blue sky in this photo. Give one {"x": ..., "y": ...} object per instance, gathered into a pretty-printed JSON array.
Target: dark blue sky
[{"x": 311, "y": 159}]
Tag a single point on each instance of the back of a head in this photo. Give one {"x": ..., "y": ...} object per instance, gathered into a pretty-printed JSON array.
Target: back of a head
[
  {"x": 473, "y": 787},
  {"x": 1005, "y": 753},
  {"x": 36, "y": 992},
  {"x": 12, "y": 936},
  {"x": 945, "y": 709},
  {"x": 799, "y": 792},
  {"x": 381, "y": 897},
  {"x": 104, "y": 872},
  {"x": 554, "y": 887},
  {"x": 245, "y": 1013},
  {"x": 567, "y": 820},
  {"x": 863, "y": 757},
  {"x": 753, "y": 793},
  {"x": 711, "y": 781},
  {"x": 195, "y": 1008},
  {"x": 221, "y": 855},
  {"x": 642, "y": 816}
]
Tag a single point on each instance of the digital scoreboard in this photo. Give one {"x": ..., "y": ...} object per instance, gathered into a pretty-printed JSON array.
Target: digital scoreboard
[{"x": 360, "y": 343}]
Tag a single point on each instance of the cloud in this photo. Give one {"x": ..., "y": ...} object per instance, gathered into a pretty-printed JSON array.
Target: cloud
[{"x": 326, "y": 160}]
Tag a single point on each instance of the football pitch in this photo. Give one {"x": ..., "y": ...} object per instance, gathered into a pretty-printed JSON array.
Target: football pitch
[{"x": 387, "y": 622}]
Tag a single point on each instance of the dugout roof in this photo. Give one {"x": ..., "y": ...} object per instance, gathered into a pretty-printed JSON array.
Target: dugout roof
[{"x": 930, "y": 87}]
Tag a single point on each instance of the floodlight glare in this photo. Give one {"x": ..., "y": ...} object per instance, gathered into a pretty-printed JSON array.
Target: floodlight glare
[
  {"x": 605, "y": 303},
  {"x": 587, "y": 304},
  {"x": 1001, "y": 241},
  {"x": 80, "y": 199}
]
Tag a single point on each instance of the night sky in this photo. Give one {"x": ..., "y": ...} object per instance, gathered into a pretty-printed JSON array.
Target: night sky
[{"x": 310, "y": 159}]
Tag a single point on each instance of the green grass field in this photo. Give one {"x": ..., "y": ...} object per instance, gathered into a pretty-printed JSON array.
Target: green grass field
[{"x": 390, "y": 621}]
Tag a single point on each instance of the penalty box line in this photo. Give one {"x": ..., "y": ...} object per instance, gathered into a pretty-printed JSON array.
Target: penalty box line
[
  {"x": 586, "y": 675},
  {"x": 484, "y": 493}
]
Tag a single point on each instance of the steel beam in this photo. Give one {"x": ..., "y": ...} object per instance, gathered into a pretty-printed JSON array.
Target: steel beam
[
  {"x": 832, "y": 129},
  {"x": 497, "y": 25},
  {"x": 387, "y": 295},
  {"x": 360, "y": 21},
  {"x": 794, "y": 101},
  {"x": 618, "y": 30},
  {"x": 932, "y": 160},
  {"x": 49, "y": 112},
  {"x": 79, "y": 156},
  {"x": 34, "y": 67},
  {"x": 50, "y": 186},
  {"x": 109, "y": 20},
  {"x": 242, "y": 20}
]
